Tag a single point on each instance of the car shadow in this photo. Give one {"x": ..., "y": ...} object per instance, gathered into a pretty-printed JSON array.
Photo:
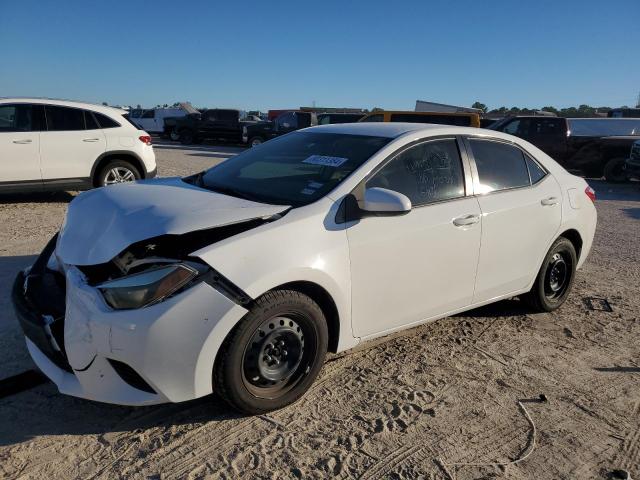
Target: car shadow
[
  {"x": 629, "y": 191},
  {"x": 632, "y": 213},
  {"x": 503, "y": 308},
  {"x": 37, "y": 197},
  {"x": 44, "y": 411}
]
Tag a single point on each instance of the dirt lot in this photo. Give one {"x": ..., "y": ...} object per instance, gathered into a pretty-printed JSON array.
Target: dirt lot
[{"x": 413, "y": 406}]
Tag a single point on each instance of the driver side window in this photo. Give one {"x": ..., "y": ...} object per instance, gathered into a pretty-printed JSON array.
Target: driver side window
[{"x": 426, "y": 173}]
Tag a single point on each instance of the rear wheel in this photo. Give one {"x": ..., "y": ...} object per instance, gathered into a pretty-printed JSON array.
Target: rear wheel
[
  {"x": 274, "y": 354},
  {"x": 614, "y": 170},
  {"x": 117, "y": 171},
  {"x": 555, "y": 278},
  {"x": 186, "y": 137}
]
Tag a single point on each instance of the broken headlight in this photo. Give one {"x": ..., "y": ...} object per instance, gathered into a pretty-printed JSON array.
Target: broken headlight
[{"x": 148, "y": 287}]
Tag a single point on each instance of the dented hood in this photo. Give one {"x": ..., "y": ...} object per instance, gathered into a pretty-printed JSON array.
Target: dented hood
[{"x": 102, "y": 223}]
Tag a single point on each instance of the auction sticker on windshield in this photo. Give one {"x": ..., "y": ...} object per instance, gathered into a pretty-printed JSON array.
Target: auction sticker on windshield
[{"x": 325, "y": 160}]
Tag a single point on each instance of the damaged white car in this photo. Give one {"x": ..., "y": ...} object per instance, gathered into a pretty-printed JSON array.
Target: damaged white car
[{"x": 239, "y": 279}]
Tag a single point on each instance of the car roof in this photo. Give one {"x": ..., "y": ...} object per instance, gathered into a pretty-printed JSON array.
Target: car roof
[
  {"x": 396, "y": 129},
  {"x": 65, "y": 103}
]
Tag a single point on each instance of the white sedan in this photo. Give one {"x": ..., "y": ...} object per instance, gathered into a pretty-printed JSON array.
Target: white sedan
[{"x": 239, "y": 279}]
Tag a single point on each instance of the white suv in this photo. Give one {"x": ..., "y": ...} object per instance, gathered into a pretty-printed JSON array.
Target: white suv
[{"x": 60, "y": 145}]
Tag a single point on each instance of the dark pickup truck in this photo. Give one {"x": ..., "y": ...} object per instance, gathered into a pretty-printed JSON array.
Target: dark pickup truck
[
  {"x": 294, "y": 120},
  {"x": 213, "y": 124},
  {"x": 596, "y": 146},
  {"x": 256, "y": 133}
]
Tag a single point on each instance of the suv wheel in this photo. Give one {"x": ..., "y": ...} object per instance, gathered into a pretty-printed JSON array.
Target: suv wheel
[
  {"x": 117, "y": 171},
  {"x": 273, "y": 355}
]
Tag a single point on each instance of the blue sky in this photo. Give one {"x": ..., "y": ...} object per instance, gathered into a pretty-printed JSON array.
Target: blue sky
[{"x": 337, "y": 53}]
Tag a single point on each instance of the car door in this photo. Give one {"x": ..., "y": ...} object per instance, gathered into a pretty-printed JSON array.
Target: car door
[
  {"x": 549, "y": 135},
  {"x": 20, "y": 145},
  {"x": 408, "y": 268},
  {"x": 521, "y": 214},
  {"x": 209, "y": 126},
  {"x": 68, "y": 149}
]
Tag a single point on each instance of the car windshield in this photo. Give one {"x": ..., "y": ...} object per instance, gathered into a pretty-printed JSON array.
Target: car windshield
[{"x": 295, "y": 169}]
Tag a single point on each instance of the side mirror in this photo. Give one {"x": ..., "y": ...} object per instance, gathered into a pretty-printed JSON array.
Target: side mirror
[{"x": 386, "y": 202}]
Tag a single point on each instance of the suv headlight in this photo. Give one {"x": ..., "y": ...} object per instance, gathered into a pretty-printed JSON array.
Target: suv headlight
[{"x": 146, "y": 288}]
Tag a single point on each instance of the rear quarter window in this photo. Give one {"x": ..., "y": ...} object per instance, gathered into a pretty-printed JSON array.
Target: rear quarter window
[{"x": 107, "y": 122}]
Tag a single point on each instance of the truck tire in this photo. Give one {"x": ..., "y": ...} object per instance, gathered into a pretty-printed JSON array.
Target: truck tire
[
  {"x": 614, "y": 170},
  {"x": 175, "y": 136},
  {"x": 186, "y": 137},
  {"x": 255, "y": 141}
]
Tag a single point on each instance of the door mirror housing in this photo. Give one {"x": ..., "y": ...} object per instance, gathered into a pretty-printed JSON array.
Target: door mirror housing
[{"x": 385, "y": 202}]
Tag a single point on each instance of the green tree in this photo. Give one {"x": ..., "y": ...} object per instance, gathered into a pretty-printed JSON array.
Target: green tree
[{"x": 480, "y": 106}]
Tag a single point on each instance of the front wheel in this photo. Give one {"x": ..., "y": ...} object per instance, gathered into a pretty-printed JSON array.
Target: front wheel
[
  {"x": 555, "y": 278},
  {"x": 273, "y": 355}
]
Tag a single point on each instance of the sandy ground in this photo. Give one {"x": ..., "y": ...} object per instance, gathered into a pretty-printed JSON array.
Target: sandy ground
[{"x": 416, "y": 405}]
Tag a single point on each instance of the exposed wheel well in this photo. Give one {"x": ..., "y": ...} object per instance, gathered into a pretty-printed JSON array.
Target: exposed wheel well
[
  {"x": 117, "y": 156},
  {"x": 326, "y": 303},
  {"x": 574, "y": 237}
]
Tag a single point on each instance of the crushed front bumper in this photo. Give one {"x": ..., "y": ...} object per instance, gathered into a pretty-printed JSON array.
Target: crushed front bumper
[{"x": 161, "y": 353}]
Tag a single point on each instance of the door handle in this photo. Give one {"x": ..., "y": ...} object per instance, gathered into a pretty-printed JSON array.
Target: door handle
[
  {"x": 466, "y": 220},
  {"x": 22, "y": 142},
  {"x": 549, "y": 201},
  {"x": 90, "y": 139}
]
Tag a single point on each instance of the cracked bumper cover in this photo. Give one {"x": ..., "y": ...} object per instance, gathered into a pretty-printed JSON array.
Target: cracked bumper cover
[{"x": 171, "y": 345}]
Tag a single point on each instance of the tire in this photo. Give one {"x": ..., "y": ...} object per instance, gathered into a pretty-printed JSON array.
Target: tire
[
  {"x": 559, "y": 264},
  {"x": 255, "y": 141},
  {"x": 186, "y": 137},
  {"x": 173, "y": 135},
  {"x": 273, "y": 355},
  {"x": 117, "y": 171},
  {"x": 614, "y": 170}
]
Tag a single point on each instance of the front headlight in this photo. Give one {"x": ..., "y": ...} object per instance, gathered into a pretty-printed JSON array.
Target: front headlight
[{"x": 143, "y": 289}]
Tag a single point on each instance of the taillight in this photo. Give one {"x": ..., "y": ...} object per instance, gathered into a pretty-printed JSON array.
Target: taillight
[
  {"x": 145, "y": 139},
  {"x": 591, "y": 193}
]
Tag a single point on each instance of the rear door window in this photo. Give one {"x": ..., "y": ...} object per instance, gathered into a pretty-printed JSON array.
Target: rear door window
[
  {"x": 425, "y": 173},
  {"x": 64, "y": 118},
  {"x": 500, "y": 166}
]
